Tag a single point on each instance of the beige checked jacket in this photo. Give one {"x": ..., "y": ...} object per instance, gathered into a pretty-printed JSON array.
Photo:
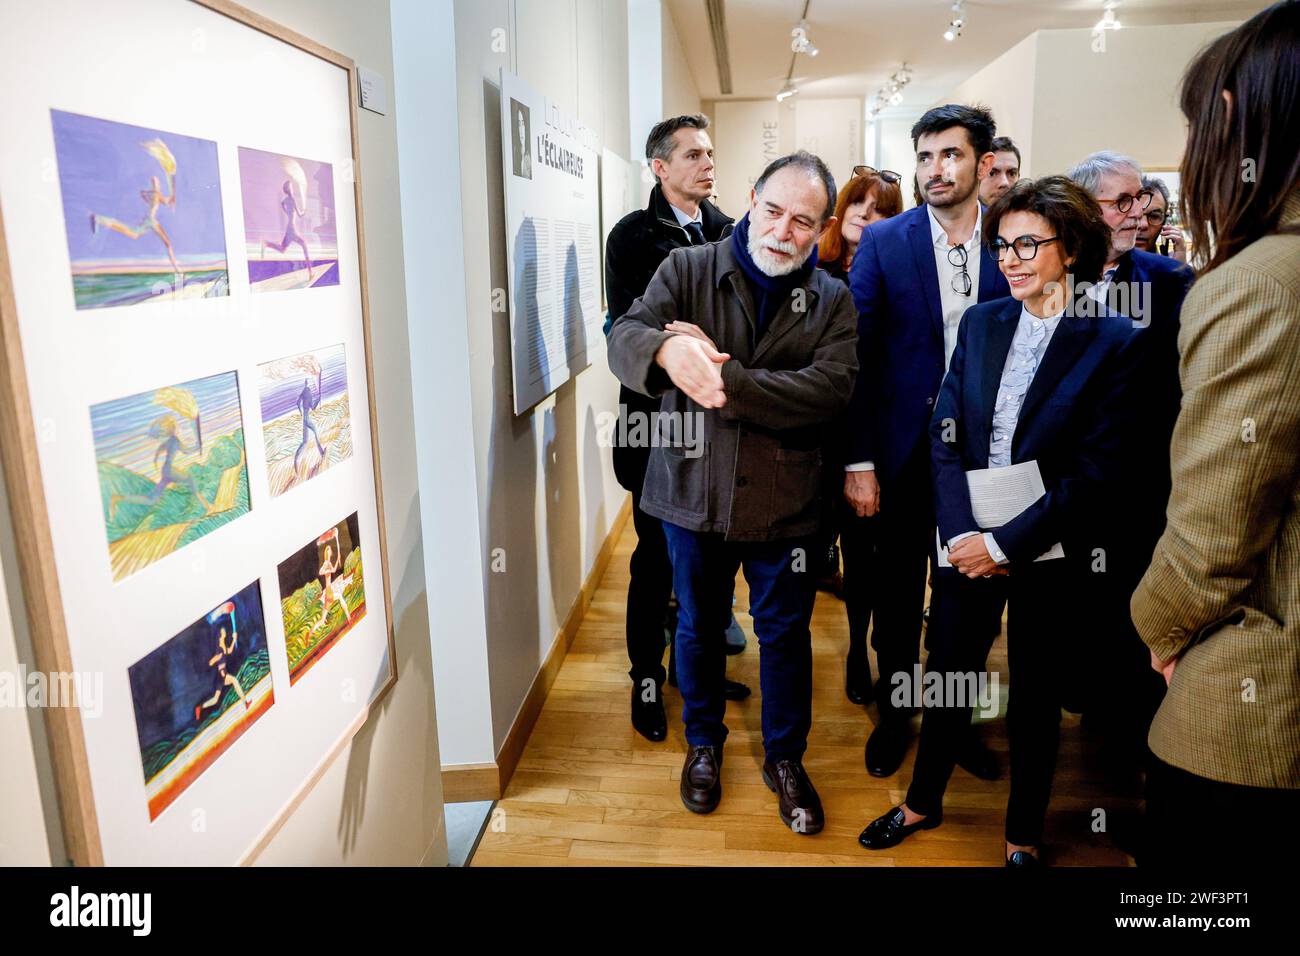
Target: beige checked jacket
[{"x": 1223, "y": 588}]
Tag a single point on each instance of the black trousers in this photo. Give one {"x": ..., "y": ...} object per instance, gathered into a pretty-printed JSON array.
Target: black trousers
[
  {"x": 1040, "y": 649},
  {"x": 1193, "y": 821},
  {"x": 648, "y": 592},
  {"x": 904, "y": 541},
  {"x": 858, "y": 548},
  {"x": 1130, "y": 689}
]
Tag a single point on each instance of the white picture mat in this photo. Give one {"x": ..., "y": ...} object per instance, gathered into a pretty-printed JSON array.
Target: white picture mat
[
  {"x": 550, "y": 198},
  {"x": 182, "y": 68}
]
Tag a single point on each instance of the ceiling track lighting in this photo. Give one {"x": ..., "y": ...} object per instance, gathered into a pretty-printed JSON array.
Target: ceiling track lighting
[
  {"x": 957, "y": 22},
  {"x": 799, "y": 43},
  {"x": 891, "y": 94}
]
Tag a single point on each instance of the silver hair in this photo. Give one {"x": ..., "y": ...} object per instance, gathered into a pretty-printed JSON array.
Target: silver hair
[{"x": 1088, "y": 172}]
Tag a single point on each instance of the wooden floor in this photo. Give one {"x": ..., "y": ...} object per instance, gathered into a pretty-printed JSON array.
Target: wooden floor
[{"x": 590, "y": 791}]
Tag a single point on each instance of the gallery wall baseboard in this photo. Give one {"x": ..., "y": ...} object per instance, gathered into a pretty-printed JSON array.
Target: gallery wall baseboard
[
  {"x": 488, "y": 781},
  {"x": 466, "y": 782}
]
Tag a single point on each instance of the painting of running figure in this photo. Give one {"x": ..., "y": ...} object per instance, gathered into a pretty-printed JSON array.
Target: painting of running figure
[
  {"x": 322, "y": 595},
  {"x": 171, "y": 468},
  {"x": 305, "y": 417},
  {"x": 198, "y": 693},
  {"x": 289, "y": 228},
  {"x": 142, "y": 210}
]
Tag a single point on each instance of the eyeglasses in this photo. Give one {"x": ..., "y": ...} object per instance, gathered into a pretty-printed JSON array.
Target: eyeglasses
[
  {"x": 1124, "y": 202},
  {"x": 888, "y": 175},
  {"x": 961, "y": 283},
  {"x": 1156, "y": 217},
  {"x": 1026, "y": 247}
]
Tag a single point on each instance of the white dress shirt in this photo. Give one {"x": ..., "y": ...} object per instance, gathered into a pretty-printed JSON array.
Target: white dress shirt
[
  {"x": 952, "y": 303},
  {"x": 1006, "y": 414},
  {"x": 683, "y": 219}
]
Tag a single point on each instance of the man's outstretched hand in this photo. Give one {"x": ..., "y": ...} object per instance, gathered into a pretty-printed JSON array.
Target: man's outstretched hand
[{"x": 694, "y": 366}]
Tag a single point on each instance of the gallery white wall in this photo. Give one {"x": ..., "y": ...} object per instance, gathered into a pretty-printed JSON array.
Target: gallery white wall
[
  {"x": 545, "y": 487},
  {"x": 1060, "y": 97}
]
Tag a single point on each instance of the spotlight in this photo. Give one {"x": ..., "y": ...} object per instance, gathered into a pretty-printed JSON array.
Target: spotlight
[{"x": 1108, "y": 19}]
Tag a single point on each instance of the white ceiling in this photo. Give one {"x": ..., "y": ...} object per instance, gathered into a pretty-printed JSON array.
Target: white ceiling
[{"x": 861, "y": 42}]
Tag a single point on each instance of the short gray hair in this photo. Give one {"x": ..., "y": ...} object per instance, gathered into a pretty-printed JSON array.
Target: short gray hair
[
  {"x": 1156, "y": 186},
  {"x": 661, "y": 142},
  {"x": 810, "y": 164},
  {"x": 1088, "y": 172}
]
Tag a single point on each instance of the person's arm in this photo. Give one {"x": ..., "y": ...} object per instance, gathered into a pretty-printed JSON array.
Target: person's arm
[
  {"x": 1233, "y": 456},
  {"x": 1097, "y": 456},
  {"x": 867, "y": 284},
  {"x": 812, "y": 395},
  {"x": 637, "y": 334}
]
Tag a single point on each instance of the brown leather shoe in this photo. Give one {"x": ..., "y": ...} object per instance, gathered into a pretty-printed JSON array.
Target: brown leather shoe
[
  {"x": 701, "y": 786},
  {"x": 799, "y": 805}
]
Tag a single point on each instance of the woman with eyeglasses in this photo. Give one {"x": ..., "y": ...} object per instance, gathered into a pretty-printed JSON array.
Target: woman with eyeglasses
[
  {"x": 870, "y": 196},
  {"x": 1039, "y": 376}
]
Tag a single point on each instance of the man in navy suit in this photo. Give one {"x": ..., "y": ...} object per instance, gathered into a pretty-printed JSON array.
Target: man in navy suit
[
  {"x": 912, "y": 278},
  {"x": 1150, "y": 289}
]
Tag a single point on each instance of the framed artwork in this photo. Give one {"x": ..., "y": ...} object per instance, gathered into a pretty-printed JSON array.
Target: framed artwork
[
  {"x": 187, "y": 417},
  {"x": 142, "y": 210},
  {"x": 195, "y": 695},
  {"x": 306, "y": 422}
]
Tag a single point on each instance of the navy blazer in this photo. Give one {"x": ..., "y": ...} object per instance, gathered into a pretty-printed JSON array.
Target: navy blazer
[
  {"x": 1071, "y": 423},
  {"x": 1164, "y": 283},
  {"x": 895, "y": 287}
]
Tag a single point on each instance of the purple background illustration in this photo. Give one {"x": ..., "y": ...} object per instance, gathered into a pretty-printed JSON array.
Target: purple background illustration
[
  {"x": 102, "y": 169},
  {"x": 262, "y": 179}
]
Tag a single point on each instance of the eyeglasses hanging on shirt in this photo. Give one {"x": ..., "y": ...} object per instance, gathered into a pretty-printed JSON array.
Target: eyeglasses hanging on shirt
[{"x": 961, "y": 283}]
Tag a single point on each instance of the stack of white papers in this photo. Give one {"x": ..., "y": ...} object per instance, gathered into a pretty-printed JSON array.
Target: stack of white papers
[{"x": 999, "y": 494}]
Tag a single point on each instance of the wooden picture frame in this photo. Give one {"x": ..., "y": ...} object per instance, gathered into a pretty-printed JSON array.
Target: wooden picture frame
[{"x": 30, "y": 511}]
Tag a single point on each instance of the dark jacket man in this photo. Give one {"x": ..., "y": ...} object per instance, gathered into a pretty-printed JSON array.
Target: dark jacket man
[
  {"x": 636, "y": 247},
  {"x": 754, "y": 472}
]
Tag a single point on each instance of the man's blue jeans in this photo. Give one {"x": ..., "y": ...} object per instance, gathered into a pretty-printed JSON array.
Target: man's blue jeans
[{"x": 782, "y": 586}]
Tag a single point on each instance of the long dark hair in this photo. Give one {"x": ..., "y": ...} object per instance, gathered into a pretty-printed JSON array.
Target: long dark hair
[{"x": 1242, "y": 163}]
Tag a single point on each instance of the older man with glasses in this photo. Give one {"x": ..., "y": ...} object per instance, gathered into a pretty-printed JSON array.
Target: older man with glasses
[{"x": 1150, "y": 290}]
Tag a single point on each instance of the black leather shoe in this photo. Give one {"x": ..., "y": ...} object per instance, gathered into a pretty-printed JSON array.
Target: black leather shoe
[
  {"x": 886, "y": 747},
  {"x": 1023, "y": 859},
  {"x": 890, "y": 830},
  {"x": 857, "y": 679},
  {"x": 648, "y": 717},
  {"x": 701, "y": 786},
  {"x": 735, "y": 690},
  {"x": 977, "y": 759},
  {"x": 798, "y": 803}
]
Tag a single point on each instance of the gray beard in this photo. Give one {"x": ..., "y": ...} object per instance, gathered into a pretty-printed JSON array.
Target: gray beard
[{"x": 766, "y": 264}]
